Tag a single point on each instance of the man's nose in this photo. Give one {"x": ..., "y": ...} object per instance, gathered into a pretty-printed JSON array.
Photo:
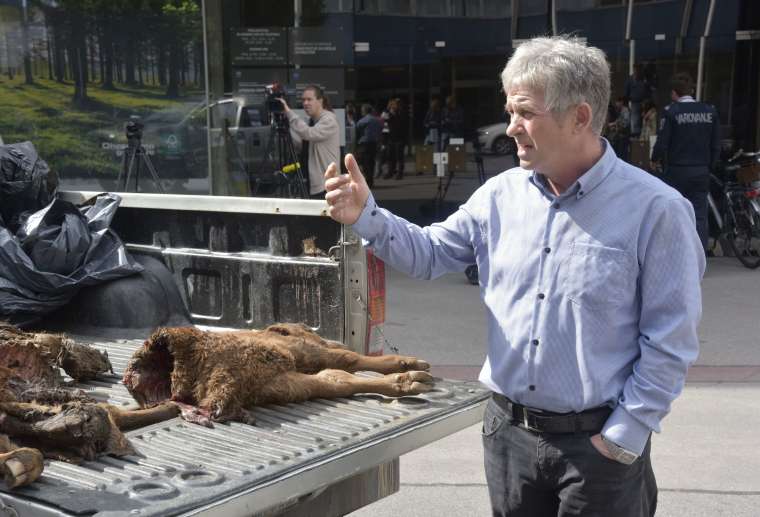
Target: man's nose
[{"x": 513, "y": 128}]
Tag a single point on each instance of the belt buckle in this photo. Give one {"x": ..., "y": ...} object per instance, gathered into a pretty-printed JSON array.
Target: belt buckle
[{"x": 525, "y": 422}]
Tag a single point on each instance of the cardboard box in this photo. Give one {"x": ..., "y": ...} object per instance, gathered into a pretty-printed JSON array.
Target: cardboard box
[
  {"x": 457, "y": 158},
  {"x": 423, "y": 158}
]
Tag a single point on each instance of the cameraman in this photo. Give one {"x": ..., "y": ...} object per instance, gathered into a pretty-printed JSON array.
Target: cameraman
[{"x": 320, "y": 142}]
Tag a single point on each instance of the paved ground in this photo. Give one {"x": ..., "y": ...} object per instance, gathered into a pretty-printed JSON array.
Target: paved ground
[{"x": 706, "y": 459}]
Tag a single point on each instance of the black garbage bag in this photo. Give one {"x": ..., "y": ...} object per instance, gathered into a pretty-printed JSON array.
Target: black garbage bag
[
  {"x": 55, "y": 252},
  {"x": 26, "y": 182}
]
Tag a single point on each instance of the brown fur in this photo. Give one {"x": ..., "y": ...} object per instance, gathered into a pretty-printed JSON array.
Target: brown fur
[
  {"x": 43, "y": 353},
  {"x": 43, "y": 417},
  {"x": 226, "y": 373}
]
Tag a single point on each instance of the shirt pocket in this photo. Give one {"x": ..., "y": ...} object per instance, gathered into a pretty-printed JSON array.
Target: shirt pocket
[{"x": 596, "y": 276}]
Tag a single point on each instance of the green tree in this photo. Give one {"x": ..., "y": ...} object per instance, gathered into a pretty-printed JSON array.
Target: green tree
[{"x": 182, "y": 22}]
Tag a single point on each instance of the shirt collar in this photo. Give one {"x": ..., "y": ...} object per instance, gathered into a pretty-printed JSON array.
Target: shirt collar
[
  {"x": 590, "y": 179},
  {"x": 686, "y": 98}
]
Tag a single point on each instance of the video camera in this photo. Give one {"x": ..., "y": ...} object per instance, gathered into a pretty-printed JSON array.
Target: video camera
[
  {"x": 134, "y": 129},
  {"x": 275, "y": 91}
]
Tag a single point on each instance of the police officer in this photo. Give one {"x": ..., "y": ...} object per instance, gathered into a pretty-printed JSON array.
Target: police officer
[{"x": 687, "y": 147}]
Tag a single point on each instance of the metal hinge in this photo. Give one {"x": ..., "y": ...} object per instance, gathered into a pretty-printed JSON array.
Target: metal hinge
[{"x": 336, "y": 254}]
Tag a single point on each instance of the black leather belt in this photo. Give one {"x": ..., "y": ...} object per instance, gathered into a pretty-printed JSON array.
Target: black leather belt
[{"x": 591, "y": 420}]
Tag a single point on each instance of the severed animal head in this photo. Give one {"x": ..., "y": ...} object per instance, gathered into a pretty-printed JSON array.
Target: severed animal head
[{"x": 149, "y": 373}]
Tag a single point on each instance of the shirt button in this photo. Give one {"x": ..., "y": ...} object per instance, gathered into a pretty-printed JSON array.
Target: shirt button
[
  {"x": 555, "y": 205},
  {"x": 547, "y": 250},
  {"x": 580, "y": 193},
  {"x": 534, "y": 342},
  {"x": 532, "y": 388},
  {"x": 374, "y": 212},
  {"x": 541, "y": 296},
  {"x": 392, "y": 237}
]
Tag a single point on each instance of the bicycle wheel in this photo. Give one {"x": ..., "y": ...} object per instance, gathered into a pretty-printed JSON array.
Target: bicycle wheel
[{"x": 743, "y": 234}]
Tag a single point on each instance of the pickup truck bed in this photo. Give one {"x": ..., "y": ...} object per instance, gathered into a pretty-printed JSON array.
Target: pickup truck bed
[
  {"x": 291, "y": 453},
  {"x": 231, "y": 263}
]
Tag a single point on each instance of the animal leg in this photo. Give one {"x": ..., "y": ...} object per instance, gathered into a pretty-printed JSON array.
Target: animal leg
[
  {"x": 297, "y": 387},
  {"x": 389, "y": 363},
  {"x": 315, "y": 358},
  {"x": 133, "y": 419},
  {"x": 21, "y": 467}
]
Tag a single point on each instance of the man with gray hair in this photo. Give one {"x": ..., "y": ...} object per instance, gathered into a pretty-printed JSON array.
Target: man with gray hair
[{"x": 590, "y": 270}]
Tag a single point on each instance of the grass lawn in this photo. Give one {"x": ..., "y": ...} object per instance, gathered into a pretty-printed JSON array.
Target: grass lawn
[{"x": 70, "y": 138}]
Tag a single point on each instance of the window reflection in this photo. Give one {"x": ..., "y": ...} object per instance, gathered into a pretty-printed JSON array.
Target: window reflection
[{"x": 82, "y": 70}]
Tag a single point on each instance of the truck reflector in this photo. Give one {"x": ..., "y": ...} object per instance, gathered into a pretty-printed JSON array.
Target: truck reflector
[{"x": 376, "y": 306}]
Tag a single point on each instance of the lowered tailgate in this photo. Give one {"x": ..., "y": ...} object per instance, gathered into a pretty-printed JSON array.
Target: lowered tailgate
[{"x": 236, "y": 469}]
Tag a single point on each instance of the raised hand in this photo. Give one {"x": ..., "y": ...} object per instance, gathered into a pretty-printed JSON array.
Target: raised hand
[{"x": 346, "y": 193}]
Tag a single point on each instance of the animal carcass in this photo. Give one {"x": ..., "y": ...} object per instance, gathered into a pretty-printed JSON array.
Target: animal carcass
[
  {"x": 39, "y": 415},
  {"x": 217, "y": 376}
]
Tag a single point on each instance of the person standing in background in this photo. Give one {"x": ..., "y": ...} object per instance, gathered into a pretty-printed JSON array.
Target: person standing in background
[
  {"x": 688, "y": 147},
  {"x": 397, "y": 133},
  {"x": 452, "y": 122},
  {"x": 432, "y": 125},
  {"x": 648, "y": 128},
  {"x": 319, "y": 138},
  {"x": 369, "y": 128},
  {"x": 637, "y": 90},
  {"x": 619, "y": 129}
]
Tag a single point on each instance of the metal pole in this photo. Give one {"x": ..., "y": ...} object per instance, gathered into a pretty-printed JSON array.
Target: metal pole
[
  {"x": 410, "y": 107},
  {"x": 554, "y": 17},
  {"x": 631, "y": 55},
  {"x": 631, "y": 43},
  {"x": 702, "y": 44},
  {"x": 515, "y": 18},
  {"x": 685, "y": 18},
  {"x": 208, "y": 100}
]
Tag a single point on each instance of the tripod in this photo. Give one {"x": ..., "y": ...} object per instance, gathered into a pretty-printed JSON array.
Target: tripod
[
  {"x": 134, "y": 158},
  {"x": 443, "y": 189},
  {"x": 288, "y": 178}
]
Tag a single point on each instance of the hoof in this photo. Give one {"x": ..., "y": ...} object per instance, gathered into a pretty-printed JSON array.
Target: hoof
[
  {"x": 410, "y": 383},
  {"x": 412, "y": 363},
  {"x": 21, "y": 467}
]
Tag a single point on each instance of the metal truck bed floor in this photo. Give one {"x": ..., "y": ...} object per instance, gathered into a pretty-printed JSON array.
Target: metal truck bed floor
[{"x": 237, "y": 469}]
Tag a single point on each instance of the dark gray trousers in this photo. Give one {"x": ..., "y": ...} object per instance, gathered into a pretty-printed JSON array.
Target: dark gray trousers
[
  {"x": 540, "y": 475},
  {"x": 693, "y": 182}
]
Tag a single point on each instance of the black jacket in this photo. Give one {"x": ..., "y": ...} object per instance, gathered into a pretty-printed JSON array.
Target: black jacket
[{"x": 689, "y": 134}]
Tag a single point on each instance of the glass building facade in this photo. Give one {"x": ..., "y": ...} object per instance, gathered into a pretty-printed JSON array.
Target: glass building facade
[{"x": 191, "y": 75}]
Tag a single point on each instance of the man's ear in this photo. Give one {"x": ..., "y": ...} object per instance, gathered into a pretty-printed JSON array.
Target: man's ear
[{"x": 583, "y": 117}]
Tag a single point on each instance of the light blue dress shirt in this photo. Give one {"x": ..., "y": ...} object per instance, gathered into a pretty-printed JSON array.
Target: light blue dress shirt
[{"x": 593, "y": 297}]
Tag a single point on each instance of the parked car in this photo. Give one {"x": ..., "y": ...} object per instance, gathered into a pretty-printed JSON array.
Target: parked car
[
  {"x": 176, "y": 138},
  {"x": 494, "y": 138}
]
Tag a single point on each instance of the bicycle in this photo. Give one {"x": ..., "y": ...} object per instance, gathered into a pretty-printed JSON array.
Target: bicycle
[{"x": 736, "y": 212}]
